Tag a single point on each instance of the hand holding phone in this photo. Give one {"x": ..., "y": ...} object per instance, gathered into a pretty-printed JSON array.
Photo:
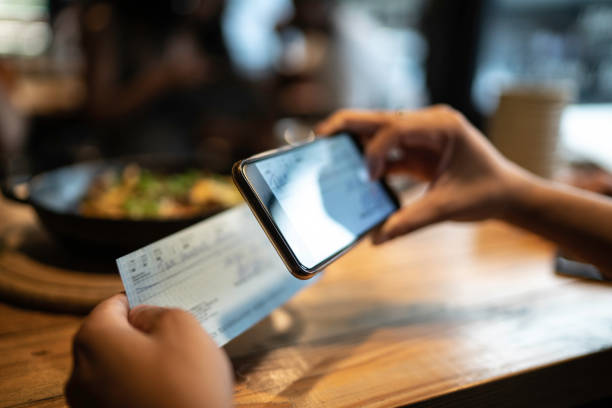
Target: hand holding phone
[{"x": 314, "y": 201}]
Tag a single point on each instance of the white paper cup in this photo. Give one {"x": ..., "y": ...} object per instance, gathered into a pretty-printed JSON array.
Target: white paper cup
[{"x": 525, "y": 127}]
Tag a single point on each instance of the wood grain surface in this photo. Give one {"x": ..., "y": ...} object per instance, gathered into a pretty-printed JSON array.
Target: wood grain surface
[{"x": 455, "y": 315}]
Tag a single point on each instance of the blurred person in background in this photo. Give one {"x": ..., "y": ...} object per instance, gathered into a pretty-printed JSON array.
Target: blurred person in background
[
  {"x": 155, "y": 75},
  {"x": 157, "y": 357},
  {"x": 166, "y": 77}
]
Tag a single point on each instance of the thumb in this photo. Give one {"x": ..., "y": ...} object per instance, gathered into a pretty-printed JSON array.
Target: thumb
[
  {"x": 162, "y": 320},
  {"x": 146, "y": 317},
  {"x": 427, "y": 210}
]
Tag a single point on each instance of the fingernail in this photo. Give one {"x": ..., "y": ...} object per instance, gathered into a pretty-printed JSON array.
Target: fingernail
[{"x": 320, "y": 129}]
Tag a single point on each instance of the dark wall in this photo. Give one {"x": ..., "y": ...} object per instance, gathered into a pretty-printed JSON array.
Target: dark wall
[{"x": 452, "y": 30}]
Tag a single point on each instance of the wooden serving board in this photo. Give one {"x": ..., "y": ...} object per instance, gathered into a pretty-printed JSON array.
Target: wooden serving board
[{"x": 38, "y": 272}]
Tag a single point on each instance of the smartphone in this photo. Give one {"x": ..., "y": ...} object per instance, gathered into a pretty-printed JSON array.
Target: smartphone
[
  {"x": 565, "y": 265},
  {"x": 315, "y": 200}
]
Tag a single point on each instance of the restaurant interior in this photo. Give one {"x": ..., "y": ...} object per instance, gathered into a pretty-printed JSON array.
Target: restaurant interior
[{"x": 98, "y": 97}]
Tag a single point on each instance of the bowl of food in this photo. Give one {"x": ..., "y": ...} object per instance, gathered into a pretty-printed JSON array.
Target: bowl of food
[{"x": 123, "y": 204}]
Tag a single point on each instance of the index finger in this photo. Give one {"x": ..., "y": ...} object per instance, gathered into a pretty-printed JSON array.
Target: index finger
[{"x": 361, "y": 122}]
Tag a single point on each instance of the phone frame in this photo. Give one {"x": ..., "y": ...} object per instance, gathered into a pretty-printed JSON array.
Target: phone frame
[{"x": 270, "y": 227}]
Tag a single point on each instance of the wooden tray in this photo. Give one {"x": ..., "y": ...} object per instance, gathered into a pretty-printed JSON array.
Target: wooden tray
[{"x": 38, "y": 272}]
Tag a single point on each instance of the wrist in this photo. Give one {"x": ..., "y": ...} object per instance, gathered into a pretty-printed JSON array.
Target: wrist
[{"x": 522, "y": 192}]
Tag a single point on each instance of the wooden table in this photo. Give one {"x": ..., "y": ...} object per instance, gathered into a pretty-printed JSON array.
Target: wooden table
[{"x": 455, "y": 315}]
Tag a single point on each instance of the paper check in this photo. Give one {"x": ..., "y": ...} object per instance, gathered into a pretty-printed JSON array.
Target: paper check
[{"x": 223, "y": 270}]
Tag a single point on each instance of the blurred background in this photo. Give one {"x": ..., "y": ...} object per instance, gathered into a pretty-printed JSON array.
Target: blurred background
[{"x": 90, "y": 79}]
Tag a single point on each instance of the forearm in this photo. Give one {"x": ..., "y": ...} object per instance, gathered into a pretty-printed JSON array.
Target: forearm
[{"x": 578, "y": 221}]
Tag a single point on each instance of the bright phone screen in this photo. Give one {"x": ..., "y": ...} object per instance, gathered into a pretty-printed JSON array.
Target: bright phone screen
[{"x": 320, "y": 196}]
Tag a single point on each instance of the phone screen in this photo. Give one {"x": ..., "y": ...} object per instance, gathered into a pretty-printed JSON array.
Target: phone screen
[{"x": 320, "y": 196}]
